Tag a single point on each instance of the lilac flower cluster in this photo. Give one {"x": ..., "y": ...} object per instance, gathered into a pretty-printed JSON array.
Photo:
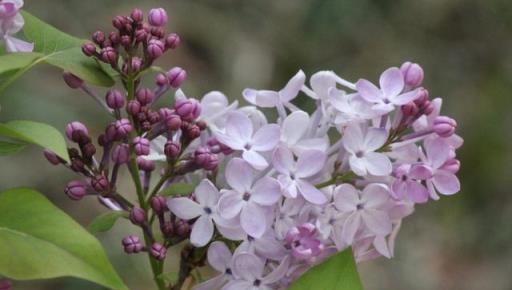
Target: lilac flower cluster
[
  {"x": 271, "y": 199},
  {"x": 11, "y": 23}
]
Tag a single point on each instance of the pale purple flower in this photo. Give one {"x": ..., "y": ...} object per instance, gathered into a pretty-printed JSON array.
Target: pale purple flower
[
  {"x": 269, "y": 99},
  {"x": 390, "y": 93},
  {"x": 361, "y": 146},
  {"x": 248, "y": 198},
  {"x": 219, "y": 258},
  {"x": 11, "y": 23},
  {"x": 294, "y": 134},
  {"x": 205, "y": 208},
  {"x": 294, "y": 174},
  {"x": 250, "y": 271},
  {"x": 288, "y": 216},
  {"x": 407, "y": 184},
  {"x": 240, "y": 135},
  {"x": 363, "y": 210},
  {"x": 214, "y": 109},
  {"x": 267, "y": 246},
  {"x": 350, "y": 107}
]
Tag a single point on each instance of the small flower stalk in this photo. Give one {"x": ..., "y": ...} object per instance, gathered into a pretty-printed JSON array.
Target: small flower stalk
[{"x": 270, "y": 198}]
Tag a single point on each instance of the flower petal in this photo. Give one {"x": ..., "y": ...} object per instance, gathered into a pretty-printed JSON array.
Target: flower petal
[
  {"x": 230, "y": 204},
  {"x": 368, "y": 91},
  {"x": 446, "y": 182},
  {"x": 391, "y": 82},
  {"x": 239, "y": 127},
  {"x": 311, "y": 193},
  {"x": 310, "y": 163},
  {"x": 375, "y": 195},
  {"x": 295, "y": 127},
  {"x": 375, "y": 138},
  {"x": 202, "y": 231},
  {"x": 350, "y": 227},
  {"x": 239, "y": 175},
  {"x": 358, "y": 165},
  {"x": 247, "y": 266},
  {"x": 293, "y": 87},
  {"x": 184, "y": 208},
  {"x": 219, "y": 256},
  {"x": 266, "y": 191},
  {"x": 405, "y": 98},
  {"x": 282, "y": 159},
  {"x": 278, "y": 273},
  {"x": 353, "y": 139},
  {"x": 214, "y": 283},
  {"x": 253, "y": 220},
  {"x": 378, "y": 164},
  {"x": 206, "y": 193},
  {"x": 377, "y": 221},
  {"x": 266, "y": 138},
  {"x": 267, "y": 98},
  {"x": 321, "y": 82},
  {"x": 346, "y": 198},
  {"x": 255, "y": 159}
]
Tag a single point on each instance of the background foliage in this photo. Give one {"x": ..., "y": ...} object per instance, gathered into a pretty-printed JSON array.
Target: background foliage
[{"x": 460, "y": 242}]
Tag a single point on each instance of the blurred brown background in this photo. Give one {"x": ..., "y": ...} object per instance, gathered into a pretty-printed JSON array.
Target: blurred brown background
[{"x": 461, "y": 242}]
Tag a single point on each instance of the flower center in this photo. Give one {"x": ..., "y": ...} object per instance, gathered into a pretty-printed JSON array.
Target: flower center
[
  {"x": 359, "y": 154},
  {"x": 257, "y": 282},
  {"x": 207, "y": 210},
  {"x": 360, "y": 206},
  {"x": 246, "y": 196}
]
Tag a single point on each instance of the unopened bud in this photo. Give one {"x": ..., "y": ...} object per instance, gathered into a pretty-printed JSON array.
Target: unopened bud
[
  {"x": 182, "y": 228},
  {"x": 173, "y": 122},
  {"x": 155, "y": 48},
  {"x": 172, "y": 149},
  {"x": 133, "y": 107},
  {"x": 77, "y": 132},
  {"x": 145, "y": 96},
  {"x": 115, "y": 99},
  {"x": 99, "y": 183},
  {"x": 176, "y": 76},
  {"x": 98, "y": 37},
  {"x": 161, "y": 80},
  {"x": 72, "y": 80},
  {"x": 121, "y": 154},
  {"x": 76, "y": 190},
  {"x": 145, "y": 165},
  {"x": 157, "y": 17},
  {"x": 51, "y": 157},
  {"x": 141, "y": 146},
  {"x": 413, "y": 74},
  {"x": 187, "y": 109},
  {"x": 132, "y": 244},
  {"x": 444, "y": 126},
  {"x": 137, "y": 216},
  {"x": 137, "y": 15},
  {"x": 158, "y": 251},
  {"x": 158, "y": 204},
  {"x": 109, "y": 55},
  {"x": 123, "y": 128},
  {"x": 89, "y": 49},
  {"x": 172, "y": 41}
]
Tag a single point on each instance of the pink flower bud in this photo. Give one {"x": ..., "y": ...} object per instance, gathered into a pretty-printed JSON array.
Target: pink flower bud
[
  {"x": 77, "y": 132},
  {"x": 172, "y": 41},
  {"x": 125, "y": 40},
  {"x": 98, "y": 37},
  {"x": 123, "y": 128},
  {"x": 133, "y": 107},
  {"x": 109, "y": 55},
  {"x": 452, "y": 165},
  {"x": 119, "y": 22},
  {"x": 99, "y": 183},
  {"x": 121, "y": 154},
  {"x": 141, "y": 146},
  {"x": 72, "y": 80},
  {"x": 302, "y": 241},
  {"x": 158, "y": 251},
  {"x": 76, "y": 190},
  {"x": 114, "y": 38},
  {"x": 187, "y": 109},
  {"x": 136, "y": 64},
  {"x": 141, "y": 35},
  {"x": 182, "y": 228},
  {"x": 193, "y": 132},
  {"x": 137, "y": 216},
  {"x": 172, "y": 149},
  {"x": 157, "y": 17},
  {"x": 159, "y": 204},
  {"x": 444, "y": 126},
  {"x": 173, "y": 122},
  {"x": 410, "y": 109},
  {"x": 161, "y": 80},
  {"x": 132, "y": 244},
  {"x": 202, "y": 156},
  {"x": 89, "y": 49},
  {"x": 137, "y": 15},
  {"x": 155, "y": 48},
  {"x": 51, "y": 157},
  {"x": 413, "y": 74},
  {"x": 423, "y": 97},
  {"x": 176, "y": 76},
  {"x": 145, "y": 165},
  {"x": 145, "y": 96},
  {"x": 115, "y": 99}
]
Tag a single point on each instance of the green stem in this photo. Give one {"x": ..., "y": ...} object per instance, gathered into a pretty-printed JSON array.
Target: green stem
[{"x": 336, "y": 179}]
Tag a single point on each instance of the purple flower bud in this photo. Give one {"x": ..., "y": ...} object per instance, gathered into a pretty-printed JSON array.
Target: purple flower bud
[
  {"x": 172, "y": 41},
  {"x": 157, "y": 17},
  {"x": 99, "y": 183},
  {"x": 119, "y": 22},
  {"x": 123, "y": 128},
  {"x": 153, "y": 117},
  {"x": 202, "y": 156},
  {"x": 176, "y": 76},
  {"x": 145, "y": 96},
  {"x": 125, "y": 40},
  {"x": 109, "y": 55},
  {"x": 424, "y": 95},
  {"x": 77, "y": 132},
  {"x": 89, "y": 49},
  {"x": 302, "y": 241},
  {"x": 141, "y": 35},
  {"x": 182, "y": 228},
  {"x": 115, "y": 99},
  {"x": 428, "y": 108},
  {"x": 136, "y": 64},
  {"x": 88, "y": 150},
  {"x": 155, "y": 48},
  {"x": 137, "y": 216},
  {"x": 98, "y": 37},
  {"x": 161, "y": 80},
  {"x": 158, "y": 32},
  {"x": 111, "y": 132},
  {"x": 158, "y": 251},
  {"x": 444, "y": 126},
  {"x": 187, "y": 109},
  {"x": 114, "y": 38},
  {"x": 141, "y": 146},
  {"x": 193, "y": 132},
  {"x": 145, "y": 165},
  {"x": 133, "y": 107},
  {"x": 212, "y": 162},
  {"x": 409, "y": 109},
  {"x": 172, "y": 149},
  {"x": 72, "y": 80},
  {"x": 167, "y": 229},
  {"x": 51, "y": 157},
  {"x": 77, "y": 165},
  {"x": 76, "y": 190},
  {"x": 413, "y": 74},
  {"x": 121, "y": 154},
  {"x": 158, "y": 204},
  {"x": 132, "y": 244},
  {"x": 452, "y": 165},
  {"x": 173, "y": 122},
  {"x": 137, "y": 15},
  {"x": 5, "y": 284}
]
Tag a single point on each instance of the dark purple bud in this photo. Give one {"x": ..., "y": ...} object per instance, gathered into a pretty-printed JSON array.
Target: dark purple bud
[
  {"x": 176, "y": 76},
  {"x": 109, "y": 55},
  {"x": 165, "y": 113},
  {"x": 410, "y": 109},
  {"x": 133, "y": 107},
  {"x": 202, "y": 155},
  {"x": 155, "y": 48},
  {"x": 123, "y": 128},
  {"x": 413, "y": 74},
  {"x": 115, "y": 99},
  {"x": 121, "y": 154},
  {"x": 141, "y": 35},
  {"x": 153, "y": 117},
  {"x": 172, "y": 149},
  {"x": 88, "y": 150},
  {"x": 77, "y": 132},
  {"x": 98, "y": 37},
  {"x": 77, "y": 165},
  {"x": 111, "y": 132},
  {"x": 51, "y": 157},
  {"x": 193, "y": 132},
  {"x": 159, "y": 204},
  {"x": 89, "y": 49},
  {"x": 167, "y": 229},
  {"x": 102, "y": 140},
  {"x": 158, "y": 251},
  {"x": 106, "y": 43},
  {"x": 137, "y": 216},
  {"x": 119, "y": 22},
  {"x": 444, "y": 126},
  {"x": 5, "y": 284},
  {"x": 99, "y": 183},
  {"x": 158, "y": 32},
  {"x": 145, "y": 96},
  {"x": 201, "y": 124},
  {"x": 141, "y": 146},
  {"x": 172, "y": 41},
  {"x": 173, "y": 122},
  {"x": 72, "y": 80},
  {"x": 145, "y": 165},
  {"x": 76, "y": 190},
  {"x": 161, "y": 80},
  {"x": 157, "y": 17},
  {"x": 114, "y": 38},
  {"x": 423, "y": 97},
  {"x": 137, "y": 15},
  {"x": 187, "y": 109},
  {"x": 132, "y": 244},
  {"x": 73, "y": 153},
  {"x": 182, "y": 228},
  {"x": 126, "y": 40}
]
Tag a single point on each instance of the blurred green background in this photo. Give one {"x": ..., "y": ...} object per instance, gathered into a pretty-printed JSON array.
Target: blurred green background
[{"x": 465, "y": 47}]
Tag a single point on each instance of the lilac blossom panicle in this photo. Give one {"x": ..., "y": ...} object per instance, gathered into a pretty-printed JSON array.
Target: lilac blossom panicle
[
  {"x": 270, "y": 199},
  {"x": 11, "y": 22}
]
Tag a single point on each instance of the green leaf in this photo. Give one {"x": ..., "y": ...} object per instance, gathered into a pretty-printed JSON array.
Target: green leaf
[
  {"x": 36, "y": 133},
  {"x": 105, "y": 221},
  {"x": 8, "y": 148},
  {"x": 339, "y": 272},
  {"x": 169, "y": 278},
  {"x": 39, "y": 241},
  {"x": 178, "y": 189},
  {"x": 53, "y": 47}
]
